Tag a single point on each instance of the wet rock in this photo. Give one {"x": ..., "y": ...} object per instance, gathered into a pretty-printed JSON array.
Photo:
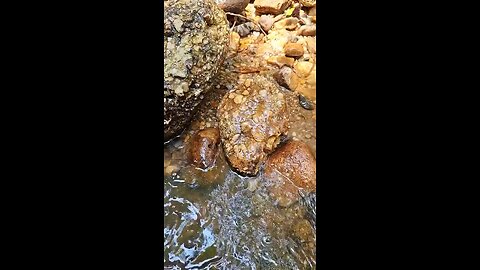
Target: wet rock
[
  {"x": 274, "y": 7},
  {"x": 233, "y": 6},
  {"x": 288, "y": 170},
  {"x": 293, "y": 50},
  {"x": 204, "y": 148},
  {"x": 308, "y": 3},
  {"x": 196, "y": 39},
  {"x": 266, "y": 22},
  {"x": 252, "y": 119},
  {"x": 281, "y": 61},
  {"x": 290, "y": 23},
  {"x": 307, "y": 30}
]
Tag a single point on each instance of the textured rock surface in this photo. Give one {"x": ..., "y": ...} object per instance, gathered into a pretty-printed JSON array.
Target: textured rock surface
[
  {"x": 252, "y": 119},
  {"x": 234, "y": 6},
  {"x": 271, "y": 6},
  {"x": 195, "y": 42},
  {"x": 288, "y": 170}
]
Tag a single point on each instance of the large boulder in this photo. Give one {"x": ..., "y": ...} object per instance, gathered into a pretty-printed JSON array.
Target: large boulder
[{"x": 195, "y": 42}]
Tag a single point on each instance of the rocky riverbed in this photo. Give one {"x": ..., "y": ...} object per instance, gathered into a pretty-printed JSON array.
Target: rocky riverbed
[{"x": 240, "y": 179}]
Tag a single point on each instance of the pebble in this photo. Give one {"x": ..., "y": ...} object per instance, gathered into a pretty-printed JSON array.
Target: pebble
[
  {"x": 293, "y": 50},
  {"x": 238, "y": 99},
  {"x": 307, "y": 30},
  {"x": 233, "y": 6},
  {"x": 274, "y": 7}
]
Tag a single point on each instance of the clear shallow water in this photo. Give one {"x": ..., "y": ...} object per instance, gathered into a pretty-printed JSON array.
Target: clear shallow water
[{"x": 232, "y": 225}]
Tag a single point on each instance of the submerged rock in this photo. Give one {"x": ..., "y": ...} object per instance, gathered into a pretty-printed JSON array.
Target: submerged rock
[
  {"x": 290, "y": 170},
  {"x": 203, "y": 148},
  {"x": 196, "y": 39},
  {"x": 252, "y": 119}
]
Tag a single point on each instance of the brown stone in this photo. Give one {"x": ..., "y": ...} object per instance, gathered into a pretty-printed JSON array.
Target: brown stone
[
  {"x": 204, "y": 148},
  {"x": 293, "y": 50},
  {"x": 274, "y": 7},
  {"x": 307, "y": 30},
  {"x": 266, "y": 22},
  {"x": 233, "y": 6},
  {"x": 288, "y": 170}
]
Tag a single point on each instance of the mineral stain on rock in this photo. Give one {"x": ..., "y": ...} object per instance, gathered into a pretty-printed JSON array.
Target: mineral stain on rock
[{"x": 195, "y": 41}]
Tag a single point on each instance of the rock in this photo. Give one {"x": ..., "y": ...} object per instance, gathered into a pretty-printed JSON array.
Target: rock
[
  {"x": 266, "y": 22},
  {"x": 283, "y": 77},
  {"x": 233, "y": 6},
  {"x": 243, "y": 30},
  {"x": 307, "y": 30},
  {"x": 308, "y": 3},
  {"x": 196, "y": 39},
  {"x": 288, "y": 170},
  {"x": 293, "y": 50},
  {"x": 281, "y": 61},
  {"x": 204, "y": 148},
  {"x": 290, "y": 23},
  {"x": 252, "y": 119},
  {"x": 274, "y": 7}
]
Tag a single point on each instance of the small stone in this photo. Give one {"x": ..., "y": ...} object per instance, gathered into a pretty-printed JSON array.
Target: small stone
[
  {"x": 274, "y": 7},
  {"x": 263, "y": 93},
  {"x": 238, "y": 99},
  {"x": 177, "y": 23},
  {"x": 231, "y": 95},
  {"x": 307, "y": 30},
  {"x": 243, "y": 30},
  {"x": 266, "y": 22},
  {"x": 233, "y": 6},
  {"x": 293, "y": 50},
  {"x": 245, "y": 93}
]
